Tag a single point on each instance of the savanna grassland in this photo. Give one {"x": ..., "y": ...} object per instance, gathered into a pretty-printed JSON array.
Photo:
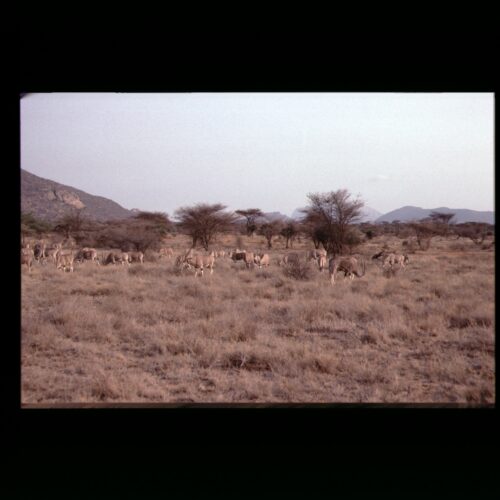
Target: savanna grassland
[{"x": 148, "y": 333}]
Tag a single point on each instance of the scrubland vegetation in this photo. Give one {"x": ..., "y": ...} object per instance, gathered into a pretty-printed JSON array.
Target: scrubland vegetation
[{"x": 150, "y": 333}]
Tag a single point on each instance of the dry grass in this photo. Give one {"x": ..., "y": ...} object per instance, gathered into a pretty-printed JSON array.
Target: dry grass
[{"x": 150, "y": 334}]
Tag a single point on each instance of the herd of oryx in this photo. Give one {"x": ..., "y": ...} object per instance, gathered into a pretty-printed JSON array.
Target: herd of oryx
[
  {"x": 64, "y": 258},
  {"x": 350, "y": 266}
]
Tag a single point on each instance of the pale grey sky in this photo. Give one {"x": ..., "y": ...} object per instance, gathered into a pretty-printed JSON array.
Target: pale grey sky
[{"x": 266, "y": 150}]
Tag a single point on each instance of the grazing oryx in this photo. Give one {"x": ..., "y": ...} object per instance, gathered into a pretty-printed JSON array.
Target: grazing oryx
[
  {"x": 181, "y": 259},
  {"x": 237, "y": 254},
  {"x": 349, "y": 265},
  {"x": 87, "y": 254},
  {"x": 166, "y": 252},
  {"x": 385, "y": 259},
  {"x": 315, "y": 254},
  {"x": 395, "y": 259},
  {"x": 110, "y": 259},
  {"x": 51, "y": 253},
  {"x": 381, "y": 256},
  {"x": 115, "y": 257},
  {"x": 262, "y": 259},
  {"x": 199, "y": 262},
  {"x": 136, "y": 257},
  {"x": 62, "y": 253},
  {"x": 289, "y": 259},
  {"x": 321, "y": 262},
  {"x": 39, "y": 251},
  {"x": 27, "y": 257},
  {"x": 249, "y": 259},
  {"x": 65, "y": 261},
  {"x": 124, "y": 258}
]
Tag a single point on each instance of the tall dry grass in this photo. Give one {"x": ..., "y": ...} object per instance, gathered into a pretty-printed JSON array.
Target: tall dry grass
[{"x": 147, "y": 333}]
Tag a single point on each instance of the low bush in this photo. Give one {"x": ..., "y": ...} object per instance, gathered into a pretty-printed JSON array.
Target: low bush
[{"x": 298, "y": 271}]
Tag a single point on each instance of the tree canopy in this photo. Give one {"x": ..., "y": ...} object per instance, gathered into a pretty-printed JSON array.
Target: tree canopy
[
  {"x": 269, "y": 230},
  {"x": 441, "y": 217},
  {"x": 328, "y": 217},
  {"x": 250, "y": 214},
  {"x": 31, "y": 225},
  {"x": 203, "y": 222}
]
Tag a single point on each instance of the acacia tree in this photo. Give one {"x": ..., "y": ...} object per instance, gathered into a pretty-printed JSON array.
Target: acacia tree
[
  {"x": 475, "y": 231},
  {"x": 397, "y": 226},
  {"x": 370, "y": 230},
  {"x": 250, "y": 214},
  {"x": 71, "y": 224},
  {"x": 142, "y": 232},
  {"x": 269, "y": 230},
  {"x": 441, "y": 217},
  {"x": 289, "y": 232},
  {"x": 331, "y": 214},
  {"x": 353, "y": 238},
  {"x": 147, "y": 229},
  {"x": 314, "y": 232},
  {"x": 203, "y": 222},
  {"x": 31, "y": 226},
  {"x": 424, "y": 231},
  {"x": 442, "y": 220}
]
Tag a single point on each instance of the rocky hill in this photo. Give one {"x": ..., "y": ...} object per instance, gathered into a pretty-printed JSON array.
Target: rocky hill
[
  {"x": 49, "y": 200},
  {"x": 410, "y": 213}
]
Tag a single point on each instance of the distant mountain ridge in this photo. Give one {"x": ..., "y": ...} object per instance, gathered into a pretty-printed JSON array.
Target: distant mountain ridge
[
  {"x": 49, "y": 200},
  {"x": 409, "y": 213},
  {"x": 275, "y": 216}
]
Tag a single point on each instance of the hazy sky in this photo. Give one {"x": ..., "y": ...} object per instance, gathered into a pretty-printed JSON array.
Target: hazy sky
[{"x": 267, "y": 150}]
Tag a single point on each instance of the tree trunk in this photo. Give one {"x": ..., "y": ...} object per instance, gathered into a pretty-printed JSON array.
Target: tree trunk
[{"x": 205, "y": 242}]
